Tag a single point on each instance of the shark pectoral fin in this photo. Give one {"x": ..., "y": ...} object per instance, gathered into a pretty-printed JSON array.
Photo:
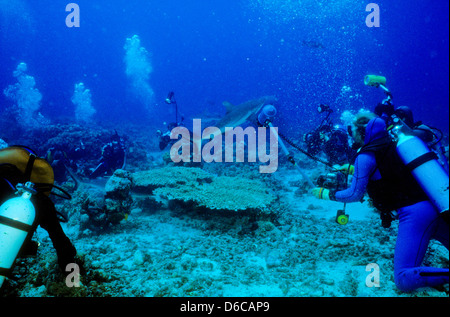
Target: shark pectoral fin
[{"x": 229, "y": 106}]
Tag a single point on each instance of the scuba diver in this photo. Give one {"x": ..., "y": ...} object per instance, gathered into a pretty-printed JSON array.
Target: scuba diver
[
  {"x": 419, "y": 129},
  {"x": 22, "y": 170},
  {"x": 390, "y": 114},
  {"x": 164, "y": 138},
  {"x": 431, "y": 136},
  {"x": 332, "y": 140},
  {"x": 60, "y": 163},
  {"x": 113, "y": 157},
  {"x": 379, "y": 167}
]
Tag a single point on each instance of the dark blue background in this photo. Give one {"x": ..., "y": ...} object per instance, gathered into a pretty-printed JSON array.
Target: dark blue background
[{"x": 211, "y": 51}]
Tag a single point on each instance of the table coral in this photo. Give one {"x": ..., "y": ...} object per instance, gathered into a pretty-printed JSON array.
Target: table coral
[
  {"x": 148, "y": 181},
  {"x": 222, "y": 193}
]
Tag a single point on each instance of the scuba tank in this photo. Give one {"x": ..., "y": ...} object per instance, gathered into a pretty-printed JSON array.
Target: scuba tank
[
  {"x": 416, "y": 155},
  {"x": 424, "y": 166},
  {"x": 16, "y": 222}
]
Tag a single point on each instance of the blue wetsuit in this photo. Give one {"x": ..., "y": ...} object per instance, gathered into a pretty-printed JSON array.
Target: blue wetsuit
[{"x": 418, "y": 223}]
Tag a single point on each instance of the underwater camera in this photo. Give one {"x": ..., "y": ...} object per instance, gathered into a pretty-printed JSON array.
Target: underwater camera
[
  {"x": 336, "y": 181},
  {"x": 324, "y": 108},
  {"x": 170, "y": 98}
]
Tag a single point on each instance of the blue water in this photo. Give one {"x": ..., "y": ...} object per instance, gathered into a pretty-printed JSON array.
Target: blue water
[{"x": 211, "y": 51}]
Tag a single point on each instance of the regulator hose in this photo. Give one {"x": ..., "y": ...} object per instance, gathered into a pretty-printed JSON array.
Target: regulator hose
[{"x": 291, "y": 143}]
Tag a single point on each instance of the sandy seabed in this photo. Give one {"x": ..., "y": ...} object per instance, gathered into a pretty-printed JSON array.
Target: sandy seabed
[{"x": 168, "y": 253}]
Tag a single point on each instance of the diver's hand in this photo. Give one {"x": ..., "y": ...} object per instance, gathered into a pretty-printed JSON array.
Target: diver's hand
[
  {"x": 346, "y": 168},
  {"x": 321, "y": 193}
]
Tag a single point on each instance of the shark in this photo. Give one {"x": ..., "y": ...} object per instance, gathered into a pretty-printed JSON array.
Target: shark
[{"x": 237, "y": 115}]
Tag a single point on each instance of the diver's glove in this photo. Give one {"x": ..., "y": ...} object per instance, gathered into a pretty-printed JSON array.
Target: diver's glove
[
  {"x": 323, "y": 193},
  {"x": 346, "y": 168}
]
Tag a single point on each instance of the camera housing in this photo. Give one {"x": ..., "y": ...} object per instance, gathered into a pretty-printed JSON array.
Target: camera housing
[
  {"x": 324, "y": 108},
  {"x": 334, "y": 181}
]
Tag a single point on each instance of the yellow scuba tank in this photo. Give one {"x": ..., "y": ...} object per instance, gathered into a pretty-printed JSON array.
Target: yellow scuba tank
[{"x": 16, "y": 222}]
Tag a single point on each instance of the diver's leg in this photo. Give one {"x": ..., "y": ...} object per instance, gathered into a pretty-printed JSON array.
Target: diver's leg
[
  {"x": 417, "y": 225},
  {"x": 442, "y": 233},
  {"x": 100, "y": 169},
  {"x": 48, "y": 220}
]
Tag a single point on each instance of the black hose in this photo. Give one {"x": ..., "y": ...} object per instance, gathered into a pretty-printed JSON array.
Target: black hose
[{"x": 291, "y": 143}]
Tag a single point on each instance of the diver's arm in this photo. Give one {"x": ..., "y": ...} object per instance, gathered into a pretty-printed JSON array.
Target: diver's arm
[{"x": 365, "y": 165}]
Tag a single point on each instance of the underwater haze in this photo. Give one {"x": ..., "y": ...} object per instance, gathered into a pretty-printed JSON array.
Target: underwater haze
[
  {"x": 96, "y": 86},
  {"x": 304, "y": 52}
]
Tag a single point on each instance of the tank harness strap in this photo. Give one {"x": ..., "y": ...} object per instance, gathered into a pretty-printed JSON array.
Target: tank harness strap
[
  {"x": 421, "y": 160},
  {"x": 15, "y": 224},
  {"x": 446, "y": 273},
  {"x": 29, "y": 167},
  {"x": 5, "y": 272}
]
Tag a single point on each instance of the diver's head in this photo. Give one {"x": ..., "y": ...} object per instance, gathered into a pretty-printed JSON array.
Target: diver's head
[
  {"x": 324, "y": 108},
  {"x": 384, "y": 109},
  {"x": 375, "y": 129},
  {"x": 405, "y": 114},
  {"x": 115, "y": 138},
  {"x": 340, "y": 128},
  {"x": 359, "y": 125}
]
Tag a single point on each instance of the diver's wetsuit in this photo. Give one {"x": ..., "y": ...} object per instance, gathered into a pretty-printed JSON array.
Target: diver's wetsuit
[
  {"x": 418, "y": 222},
  {"x": 113, "y": 157}
]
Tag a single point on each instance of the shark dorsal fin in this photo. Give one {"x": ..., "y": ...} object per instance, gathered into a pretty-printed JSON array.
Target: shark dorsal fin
[{"x": 229, "y": 106}]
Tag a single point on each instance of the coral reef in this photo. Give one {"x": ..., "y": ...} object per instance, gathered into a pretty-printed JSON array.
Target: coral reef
[
  {"x": 81, "y": 144},
  {"x": 148, "y": 181},
  {"x": 159, "y": 255},
  {"x": 222, "y": 193},
  {"x": 118, "y": 200},
  {"x": 213, "y": 238},
  {"x": 203, "y": 189},
  {"x": 102, "y": 209}
]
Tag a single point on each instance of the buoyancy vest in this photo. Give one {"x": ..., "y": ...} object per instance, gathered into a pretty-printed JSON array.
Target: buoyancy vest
[
  {"x": 397, "y": 187},
  {"x": 19, "y": 164}
]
